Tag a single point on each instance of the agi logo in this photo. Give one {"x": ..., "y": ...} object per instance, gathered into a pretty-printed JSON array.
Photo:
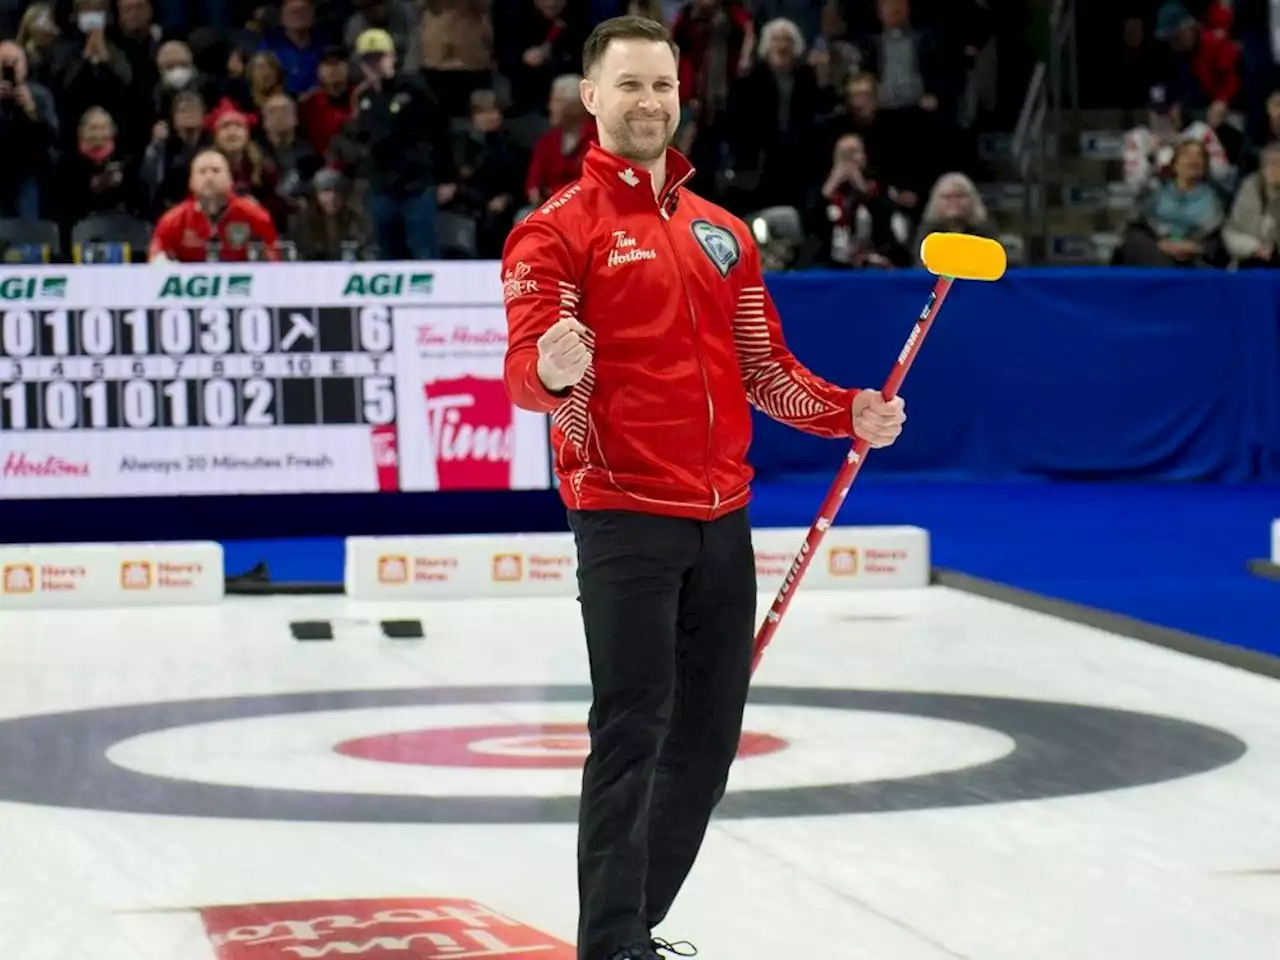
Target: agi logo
[
  {"x": 207, "y": 285},
  {"x": 136, "y": 575},
  {"x": 31, "y": 287},
  {"x": 19, "y": 578},
  {"x": 388, "y": 285}
]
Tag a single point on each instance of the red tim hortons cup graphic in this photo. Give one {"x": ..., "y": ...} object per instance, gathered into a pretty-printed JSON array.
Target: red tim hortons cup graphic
[
  {"x": 386, "y": 457},
  {"x": 471, "y": 425},
  {"x": 418, "y": 928}
]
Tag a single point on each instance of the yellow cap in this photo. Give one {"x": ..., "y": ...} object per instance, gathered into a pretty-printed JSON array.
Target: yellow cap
[{"x": 374, "y": 40}]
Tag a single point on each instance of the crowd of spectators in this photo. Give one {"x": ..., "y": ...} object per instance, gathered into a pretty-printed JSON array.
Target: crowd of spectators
[
  {"x": 846, "y": 112},
  {"x": 1204, "y": 165}
]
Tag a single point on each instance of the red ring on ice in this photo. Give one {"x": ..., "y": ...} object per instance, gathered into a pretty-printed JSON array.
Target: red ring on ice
[{"x": 519, "y": 746}]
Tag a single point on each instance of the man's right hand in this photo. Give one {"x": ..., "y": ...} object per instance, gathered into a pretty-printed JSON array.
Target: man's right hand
[{"x": 563, "y": 355}]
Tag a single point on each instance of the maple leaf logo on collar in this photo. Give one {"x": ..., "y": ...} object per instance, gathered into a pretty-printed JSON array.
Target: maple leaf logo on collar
[{"x": 628, "y": 176}]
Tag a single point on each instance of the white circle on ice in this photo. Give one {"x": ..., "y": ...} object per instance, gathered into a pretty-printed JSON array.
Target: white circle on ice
[
  {"x": 533, "y": 745},
  {"x": 296, "y": 752}
]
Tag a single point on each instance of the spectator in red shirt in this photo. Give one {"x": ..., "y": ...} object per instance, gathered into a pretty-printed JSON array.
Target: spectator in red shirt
[
  {"x": 323, "y": 111},
  {"x": 557, "y": 156},
  {"x": 1206, "y": 61},
  {"x": 213, "y": 212}
]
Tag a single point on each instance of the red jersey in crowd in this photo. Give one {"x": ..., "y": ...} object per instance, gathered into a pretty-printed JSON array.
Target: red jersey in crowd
[
  {"x": 184, "y": 230},
  {"x": 694, "y": 32},
  {"x": 684, "y": 338},
  {"x": 550, "y": 168},
  {"x": 1216, "y": 60},
  {"x": 323, "y": 116}
]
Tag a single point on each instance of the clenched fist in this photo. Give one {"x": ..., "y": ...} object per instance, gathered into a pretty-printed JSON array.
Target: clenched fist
[
  {"x": 563, "y": 355},
  {"x": 876, "y": 420}
]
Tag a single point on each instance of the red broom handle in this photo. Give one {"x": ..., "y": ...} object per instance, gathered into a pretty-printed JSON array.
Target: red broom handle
[{"x": 844, "y": 479}]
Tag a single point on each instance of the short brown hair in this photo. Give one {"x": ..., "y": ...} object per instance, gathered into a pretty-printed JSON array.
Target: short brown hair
[{"x": 623, "y": 28}]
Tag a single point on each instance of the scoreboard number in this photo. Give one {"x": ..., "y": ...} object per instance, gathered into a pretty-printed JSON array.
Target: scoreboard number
[{"x": 213, "y": 366}]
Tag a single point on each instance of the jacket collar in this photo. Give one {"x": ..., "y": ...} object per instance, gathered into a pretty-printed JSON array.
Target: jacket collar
[{"x": 630, "y": 183}]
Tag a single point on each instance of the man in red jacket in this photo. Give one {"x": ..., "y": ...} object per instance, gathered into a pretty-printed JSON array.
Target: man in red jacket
[
  {"x": 213, "y": 213},
  {"x": 639, "y": 319}
]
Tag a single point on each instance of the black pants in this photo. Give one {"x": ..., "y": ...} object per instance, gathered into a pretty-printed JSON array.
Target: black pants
[{"x": 669, "y": 608}]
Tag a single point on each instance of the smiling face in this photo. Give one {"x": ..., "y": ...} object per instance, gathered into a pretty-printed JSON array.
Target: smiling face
[{"x": 633, "y": 93}]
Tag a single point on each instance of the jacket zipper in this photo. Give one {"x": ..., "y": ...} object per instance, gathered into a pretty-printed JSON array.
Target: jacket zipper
[{"x": 706, "y": 384}]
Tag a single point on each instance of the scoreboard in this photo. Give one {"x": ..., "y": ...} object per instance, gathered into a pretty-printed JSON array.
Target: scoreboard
[
  {"x": 203, "y": 366},
  {"x": 264, "y": 377}
]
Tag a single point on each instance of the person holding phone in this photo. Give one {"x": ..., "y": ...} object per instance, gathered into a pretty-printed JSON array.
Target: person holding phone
[
  {"x": 87, "y": 70},
  {"x": 28, "y": 129}
]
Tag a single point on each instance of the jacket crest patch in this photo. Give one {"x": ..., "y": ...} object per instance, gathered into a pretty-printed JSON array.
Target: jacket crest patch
[{"x": 719, "y": 244}]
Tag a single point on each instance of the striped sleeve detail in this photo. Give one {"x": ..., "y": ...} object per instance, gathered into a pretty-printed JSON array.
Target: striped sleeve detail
[
  {"x": 571, "y": 416},
  {"x": 771, "y": 388}
]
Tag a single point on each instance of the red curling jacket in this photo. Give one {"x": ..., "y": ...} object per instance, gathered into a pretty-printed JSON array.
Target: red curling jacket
[{"x": 684, "y": 339}]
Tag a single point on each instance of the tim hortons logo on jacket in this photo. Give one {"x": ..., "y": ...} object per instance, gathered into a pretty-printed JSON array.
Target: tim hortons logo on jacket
[
  {"x": 625, "y": 250},
  {"x": 471, "y": 423}
]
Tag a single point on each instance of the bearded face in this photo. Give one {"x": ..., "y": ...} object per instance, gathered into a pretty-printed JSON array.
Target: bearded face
[{"x": 635, "y": 99}]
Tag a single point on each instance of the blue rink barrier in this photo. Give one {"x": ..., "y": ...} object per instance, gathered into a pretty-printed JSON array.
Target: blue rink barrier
[
  {"x": 1071, "y": 374},
  {"x": 1088, "y": 374}
]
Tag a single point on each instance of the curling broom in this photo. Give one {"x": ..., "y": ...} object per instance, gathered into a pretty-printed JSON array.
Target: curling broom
[{"x": 951, "y": 257}]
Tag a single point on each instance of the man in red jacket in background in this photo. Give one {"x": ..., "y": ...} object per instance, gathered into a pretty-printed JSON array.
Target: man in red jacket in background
[
  {"x": 638, "y": 318},
  {"x": 213, "y": 212}
]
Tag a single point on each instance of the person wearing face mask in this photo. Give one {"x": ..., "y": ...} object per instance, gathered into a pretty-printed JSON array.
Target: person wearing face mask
[
  {"x": 88, "y": 70},
  {"x": 177, "y": 74}
]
